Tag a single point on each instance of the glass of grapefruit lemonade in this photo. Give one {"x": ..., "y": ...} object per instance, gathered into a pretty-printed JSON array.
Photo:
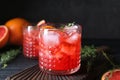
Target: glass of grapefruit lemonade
[
  {"x": 30, "y": 42},
  {"x": 60, "y": 49}
]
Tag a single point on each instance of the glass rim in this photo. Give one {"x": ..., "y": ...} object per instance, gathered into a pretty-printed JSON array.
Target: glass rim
[
  {"x": 62, "y": 28},
  {"x": 59, "y": 27}
]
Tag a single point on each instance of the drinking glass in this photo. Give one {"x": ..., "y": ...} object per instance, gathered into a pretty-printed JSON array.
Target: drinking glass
[
  {"x": 60, "y": 50},
  {"x": 30, "y": 42}
]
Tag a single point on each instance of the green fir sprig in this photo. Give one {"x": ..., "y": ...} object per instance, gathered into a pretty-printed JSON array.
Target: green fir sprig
[
  {"x": 67, "y": 25},
  {"x": 89, "y": 52},
  {"x": 8, "y": 56}
]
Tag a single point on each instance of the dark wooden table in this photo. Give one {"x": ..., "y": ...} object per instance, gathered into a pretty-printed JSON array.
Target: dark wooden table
[{"x": 21, "y": 63}]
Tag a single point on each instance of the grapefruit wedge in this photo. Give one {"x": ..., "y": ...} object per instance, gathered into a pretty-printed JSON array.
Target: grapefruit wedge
[
  {"x": 111, "y": 75},
  {"x": 43, "y": 25},
  {"x": 4, "y": 35}
]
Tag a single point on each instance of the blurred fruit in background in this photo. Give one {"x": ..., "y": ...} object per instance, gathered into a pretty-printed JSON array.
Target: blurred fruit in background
[
  {"x": 15, "y": 26},
  {"x": 4, "y": 35}
]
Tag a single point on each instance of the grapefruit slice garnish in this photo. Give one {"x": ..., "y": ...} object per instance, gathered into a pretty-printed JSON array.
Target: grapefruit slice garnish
[
  {"x": 43, "y": 25},
  {"x": 111, "y": 75},
  {"x": 47, "y": 27},
  {"x": 4, "y": 35}
]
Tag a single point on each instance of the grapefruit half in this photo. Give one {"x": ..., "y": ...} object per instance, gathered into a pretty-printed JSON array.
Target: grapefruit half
[
  {"x": 4, "y": 35},
  {"x": 111, "y": 75}
]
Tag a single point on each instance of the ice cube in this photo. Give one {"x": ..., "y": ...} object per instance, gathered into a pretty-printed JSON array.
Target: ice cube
[
  {"x": 72, "y": 29},
  {"x": 67, "y": 48},
  {"x": 51, "y": 38},
  {"x": 58, "y": 55},
  {"x": 73, "y": 38}
]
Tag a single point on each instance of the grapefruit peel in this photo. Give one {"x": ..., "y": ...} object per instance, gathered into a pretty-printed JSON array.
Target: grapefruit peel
[
  {"x": 109, "y": 74},
  {"x": 4, "y": 35}
]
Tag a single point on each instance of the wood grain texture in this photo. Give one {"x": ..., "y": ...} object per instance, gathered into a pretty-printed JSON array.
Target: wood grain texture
[{"x": 34, "y": 73}]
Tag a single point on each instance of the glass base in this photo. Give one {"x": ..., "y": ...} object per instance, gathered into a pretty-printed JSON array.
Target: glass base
[
  {"x": 31, "y": 57},
  {"x": 57, "y": 72}
]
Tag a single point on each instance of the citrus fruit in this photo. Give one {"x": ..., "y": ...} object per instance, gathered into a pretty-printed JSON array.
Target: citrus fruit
[
  {"x": 111, "y": 75},
  {"x": 47, "y": 27},
  {"x": 4, "y": 35},
  {"x": 15, "y": 27},
  {"x": 41, "y": 23}
]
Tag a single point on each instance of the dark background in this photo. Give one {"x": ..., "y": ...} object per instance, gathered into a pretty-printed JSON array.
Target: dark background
[{"x": 100, "y": 19}]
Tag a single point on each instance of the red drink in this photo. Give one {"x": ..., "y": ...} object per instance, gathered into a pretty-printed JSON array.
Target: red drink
[
  {"x": 30, "y": 43},
  {"x": 60, "y": 50}
]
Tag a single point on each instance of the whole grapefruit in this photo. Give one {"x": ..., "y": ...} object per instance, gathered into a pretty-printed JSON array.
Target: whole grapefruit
[
  {"x": 15, "y": 26},
  {"x": 4, "y": 35}
]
